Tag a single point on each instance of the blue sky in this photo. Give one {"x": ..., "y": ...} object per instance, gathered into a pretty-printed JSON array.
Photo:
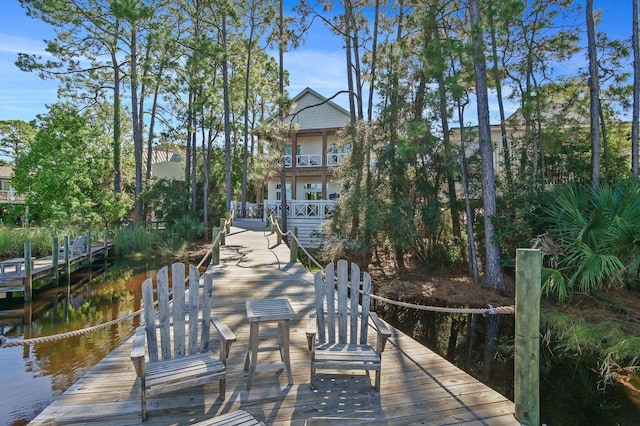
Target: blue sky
[{"x": 318, "y": 64}]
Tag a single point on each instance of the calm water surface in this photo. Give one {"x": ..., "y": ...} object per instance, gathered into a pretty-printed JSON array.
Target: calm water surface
[{"x": 33, "y": 376}]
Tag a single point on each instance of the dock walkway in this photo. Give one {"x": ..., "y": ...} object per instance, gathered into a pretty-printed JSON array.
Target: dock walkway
[
  {"x": 13, "y": 280},
  {"x": 418, "y": 386}
]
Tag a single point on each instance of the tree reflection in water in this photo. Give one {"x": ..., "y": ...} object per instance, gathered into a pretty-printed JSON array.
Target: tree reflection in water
[{"x": 93, "y": 298}]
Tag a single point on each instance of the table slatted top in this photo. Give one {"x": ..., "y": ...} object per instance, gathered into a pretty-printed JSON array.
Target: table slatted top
[{"x": 269, "y": 310}]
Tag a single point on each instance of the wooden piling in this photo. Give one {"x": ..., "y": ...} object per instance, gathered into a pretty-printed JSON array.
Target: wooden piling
[
  {"x": 67, "y": 259},
  {"x": 88, "y": 247},
  {"x": 222, "y": 232},
  {"x": 106, "y": 244},
  {"x": 28, "y": 280},
  {"x": 215, "y": 248},
  {"x": 294, "y": 246},
  {"x": 527, "y": 336},
  {"x": 55, "y": 259},
  {"x": 278, "y": 231}
]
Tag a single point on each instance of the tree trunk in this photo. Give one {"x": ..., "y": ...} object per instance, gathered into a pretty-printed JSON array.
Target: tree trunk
[
  {"x": 227, "y": 114},
  {"x": 493, "y": 272},
  {"x": 245, "y": 152},
  {"x": 283, "y": 176},
  {"x": 137, "y": 136},
  {"x": 594, "y": 92},
  {"x": 506, "y": 154},
  {"x": 635, "y": 126}
]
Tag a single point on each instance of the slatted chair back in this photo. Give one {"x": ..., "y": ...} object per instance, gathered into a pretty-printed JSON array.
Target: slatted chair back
[
  {"x": 344, "y": 302},
  {"x": 190, "y": 333}
]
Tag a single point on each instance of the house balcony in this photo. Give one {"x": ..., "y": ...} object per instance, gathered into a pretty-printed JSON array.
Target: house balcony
[
  {"x": 334, "y": 159},
  {"x": 319, "y": 209},
  {"x": 10, "y": 196}
]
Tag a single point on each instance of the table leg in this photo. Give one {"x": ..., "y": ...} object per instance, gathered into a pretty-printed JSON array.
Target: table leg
[
  {"x": 283, "y": 337},
  {"x": 252, "y": 353}
]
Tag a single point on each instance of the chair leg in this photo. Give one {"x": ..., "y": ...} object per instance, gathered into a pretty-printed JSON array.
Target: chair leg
[
  {"x": 143, "y": 398},
  {"x": 378, "y": 374},
  {"x": 313, "y": 370},
  {"x": 221, "y": 392}
]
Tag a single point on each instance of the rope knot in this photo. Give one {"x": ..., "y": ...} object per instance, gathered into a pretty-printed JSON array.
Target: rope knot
[{"x": 490, "y": 311}]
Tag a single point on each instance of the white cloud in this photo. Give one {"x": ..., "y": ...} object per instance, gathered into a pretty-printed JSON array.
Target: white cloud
[{"x": 18, "y": 44}]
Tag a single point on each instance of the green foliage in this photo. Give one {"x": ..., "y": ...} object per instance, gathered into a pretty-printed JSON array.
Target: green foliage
[
  {"x": 15, "y": 137},
  {"x": 65, "y": 174},
  {"x": 168, "y": 199},
  {"x": 597, "y": 233},
  {"x": 187, "y": 228},
  {"x": 12, "y": 240},
  {"x": 137, "y": 239}
]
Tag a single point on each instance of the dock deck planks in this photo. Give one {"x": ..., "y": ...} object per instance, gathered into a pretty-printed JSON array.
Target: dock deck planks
[{"x": 418, "y": 386}]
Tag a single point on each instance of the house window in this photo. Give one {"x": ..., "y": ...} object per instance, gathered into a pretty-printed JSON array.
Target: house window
[
  {"x": 279, "y": 192},
  {"x": 312, "y": 191},
  {"x": 287, "y": 150}
]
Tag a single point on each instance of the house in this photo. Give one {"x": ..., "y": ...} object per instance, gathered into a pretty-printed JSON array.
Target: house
[
  {"x": 167, "y": 165},
  {"x": 311, "y": 156},
  {"x": 8, "y": 194}
]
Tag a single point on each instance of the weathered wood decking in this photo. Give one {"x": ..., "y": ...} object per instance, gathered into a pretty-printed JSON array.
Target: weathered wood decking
[{"x": 418, "y": 386}]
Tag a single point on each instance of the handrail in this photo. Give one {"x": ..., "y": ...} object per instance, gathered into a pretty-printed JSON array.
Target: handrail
[
  {"x": 74, "y": 333},
  {"x": 491, "y": 310}
]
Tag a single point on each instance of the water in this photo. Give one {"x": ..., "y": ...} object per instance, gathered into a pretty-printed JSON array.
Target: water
[{"x": 33, "y": 376}]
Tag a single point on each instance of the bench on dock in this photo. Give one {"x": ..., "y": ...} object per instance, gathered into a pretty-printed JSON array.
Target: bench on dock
[
  {"x": 16, "y": 263},
  {"x": 76, "y": 248}
]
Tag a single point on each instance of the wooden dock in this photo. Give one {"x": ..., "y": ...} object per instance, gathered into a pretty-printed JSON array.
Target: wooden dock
[
  {"x": 418, "y": 386},
  {"x": 44, "y": 267}
]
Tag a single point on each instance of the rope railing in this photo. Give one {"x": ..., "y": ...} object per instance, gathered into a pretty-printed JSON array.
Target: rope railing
[
  {"x": 54, "y": 337},
  {"x": 491, "y": 310}
]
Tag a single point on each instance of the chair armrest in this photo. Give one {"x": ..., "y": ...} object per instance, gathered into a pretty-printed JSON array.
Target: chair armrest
[
  {"x": 227, "y": 337},
  {"x": 383, "y": 331},
  {"x": 312, "y": 330},
  {"x": 137, "y": 351},
  {"x": 225, "y": 332}
]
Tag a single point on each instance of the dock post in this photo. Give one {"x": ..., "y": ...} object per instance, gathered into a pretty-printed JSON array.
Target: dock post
[
  {"x": 28, "y": 279},
  {"x": 279, "y": 234},
  {"x": 215, "y": 248},
  {"x": 88, "y": 243},
  {"x": 527, "y": 336},
  {"x": 55, "y": 259},
  {"x": 293, "y": 246},
  {"x": 67, "y": 259},
  {"x": 229, "y": 222},
  {"x": 222, "y": 232},
  {"x": 106, "y": 242}
]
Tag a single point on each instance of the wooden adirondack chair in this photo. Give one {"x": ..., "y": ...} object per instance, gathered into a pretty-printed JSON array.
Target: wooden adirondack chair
[
  {"x": 350, "y": 315},
  {"x": 187, "y": 361}
]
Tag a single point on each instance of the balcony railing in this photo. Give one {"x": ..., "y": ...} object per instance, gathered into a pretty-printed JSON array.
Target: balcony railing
[
  {"x": 336, "y": 158},
  {"x": 313, "y": 160},
  {"x": 10, "y": 195},
  {"x": 320, "y": 209}
]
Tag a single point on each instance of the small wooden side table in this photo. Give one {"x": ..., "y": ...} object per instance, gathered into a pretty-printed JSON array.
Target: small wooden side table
[{"x": 262, "y": 311}]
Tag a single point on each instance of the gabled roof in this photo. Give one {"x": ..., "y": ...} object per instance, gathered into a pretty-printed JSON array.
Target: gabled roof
[{"x": 313, "y": 111}]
